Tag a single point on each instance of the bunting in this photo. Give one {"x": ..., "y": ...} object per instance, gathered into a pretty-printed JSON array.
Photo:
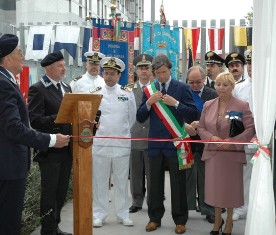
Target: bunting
[
  {"x": 38, "y": 43},
  {"x": 216, "y": 37},
  {"x": 242, "y": 38},
  {"x": 160, "y": 39},
  {"x": 191, "y": 36},
  {"x": 67, "y": 38}
]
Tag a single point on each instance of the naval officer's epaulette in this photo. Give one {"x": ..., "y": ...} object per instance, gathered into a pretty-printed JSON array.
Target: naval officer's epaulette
[
  {"x": 77, "y": 78},
  {"x": 95, "y": 89},
  {"x": 127, "y": 88}
]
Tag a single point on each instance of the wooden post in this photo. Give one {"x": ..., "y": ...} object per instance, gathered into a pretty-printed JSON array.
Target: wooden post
[{"x": 80, "y": 110}]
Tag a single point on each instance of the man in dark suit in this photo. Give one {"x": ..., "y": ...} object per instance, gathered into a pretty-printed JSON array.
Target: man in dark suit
[
  {"x": 214, "y": 66},
  {"x": 139, "y": 163},
  {"x": 196, "y": 175},
  {"x": 173, "y": 103},
  {"x": 15, "y": 138},
  {"x": 55, "y": 165}
]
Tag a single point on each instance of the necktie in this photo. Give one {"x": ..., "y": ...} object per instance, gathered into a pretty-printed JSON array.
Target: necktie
[
  {"x": 163, "y": 91},
  {"x": 59, "y": 90},
  {"x": 143, "y": 87},
  {"x": 212, "y": 84}
]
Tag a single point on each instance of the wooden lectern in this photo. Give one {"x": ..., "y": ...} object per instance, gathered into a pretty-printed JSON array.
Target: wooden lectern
[{"x": 80, "y": 110}]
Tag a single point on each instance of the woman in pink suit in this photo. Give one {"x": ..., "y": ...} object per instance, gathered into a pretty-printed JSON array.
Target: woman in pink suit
[{"x": 223, "y": 161}]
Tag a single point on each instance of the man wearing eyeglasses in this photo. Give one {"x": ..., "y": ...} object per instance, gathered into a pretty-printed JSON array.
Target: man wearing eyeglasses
[{"x": 195, "y": 176}]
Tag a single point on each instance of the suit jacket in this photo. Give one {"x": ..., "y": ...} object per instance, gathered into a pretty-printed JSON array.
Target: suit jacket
[
  {"x": 15, "y": 133},
  {"x": 210, "y": 124},
  {"x": 44, "y": 102},
  {"x": 139, "y": 130},
  {"x": 207, "y": 94},
  {"x": 186, "y": 111}
]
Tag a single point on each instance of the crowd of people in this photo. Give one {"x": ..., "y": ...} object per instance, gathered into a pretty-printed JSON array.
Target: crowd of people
[{"x": 213, "y": 105}]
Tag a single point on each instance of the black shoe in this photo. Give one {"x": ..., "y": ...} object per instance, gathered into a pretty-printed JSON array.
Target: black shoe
[
  {"x": 210, "y": 218},
  {"x": 134, "y": 209},
  {"x": 220, "y": 229},
  {"x": 59, "y": 232}
]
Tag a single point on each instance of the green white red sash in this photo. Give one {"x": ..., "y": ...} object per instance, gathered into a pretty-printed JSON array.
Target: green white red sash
[{"x": 184, "y": 153}]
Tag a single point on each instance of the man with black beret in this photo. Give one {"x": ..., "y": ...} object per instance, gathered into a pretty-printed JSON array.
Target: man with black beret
[
  {"x": 235, "y": 62},
  {"x": 214, "y": 66},
  {"x": 139, "y": 166},
  {"x": 45, "y": 98},
  {"x": 16, "y": 137}
]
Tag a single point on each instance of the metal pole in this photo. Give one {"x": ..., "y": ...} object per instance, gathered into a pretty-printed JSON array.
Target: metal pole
[{"x": 152, "y": 11}]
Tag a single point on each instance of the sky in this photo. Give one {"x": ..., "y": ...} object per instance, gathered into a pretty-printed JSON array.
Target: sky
[{"x": 199, "y": 9}]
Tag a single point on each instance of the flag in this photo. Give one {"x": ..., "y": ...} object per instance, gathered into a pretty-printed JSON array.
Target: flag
[
  {"x": 87, "y": 42},
  {"x": 242, "y": 38},
  {"x": 191, "y": 37},
  {"x": 160, "y": 39},
  {"x": 38, "y": 42},
  {"x": 190, "y": 58},
  {"x": 136, "y": 41},
  {"x": 216, "y": 36},
  {"x": 162, "y": 15},
  {"x": 67, "y": 38}
]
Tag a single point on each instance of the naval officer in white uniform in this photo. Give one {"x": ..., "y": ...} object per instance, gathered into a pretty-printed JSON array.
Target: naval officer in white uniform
[
  {"x": 118, "y": 114},
  {"x": 91, "y": 78}
]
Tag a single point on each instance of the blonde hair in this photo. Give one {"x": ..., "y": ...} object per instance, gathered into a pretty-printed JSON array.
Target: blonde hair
[{"x": 226, "y": 77}]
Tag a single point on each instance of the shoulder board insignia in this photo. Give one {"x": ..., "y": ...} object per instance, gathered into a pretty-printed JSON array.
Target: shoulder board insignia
[
  {"x": 126, "y": 88},
  {"x": 77, "y": 78},
  {"x": 95, "y": 89},
  {"x": 130, "y": 85}
]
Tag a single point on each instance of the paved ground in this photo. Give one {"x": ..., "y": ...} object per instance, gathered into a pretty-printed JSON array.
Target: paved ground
[{"x": 196, "y": 225}]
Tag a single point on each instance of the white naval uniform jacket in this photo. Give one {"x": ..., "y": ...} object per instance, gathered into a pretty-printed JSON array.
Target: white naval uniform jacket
[
  {"x": 87, "y": 83},
  {"x": 118, "y": 114}
]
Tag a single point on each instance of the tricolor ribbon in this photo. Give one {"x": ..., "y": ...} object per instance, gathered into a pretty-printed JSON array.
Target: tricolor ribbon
[
  {"x": 260, "y": 148},
  {"x": 184, "y": 153}
]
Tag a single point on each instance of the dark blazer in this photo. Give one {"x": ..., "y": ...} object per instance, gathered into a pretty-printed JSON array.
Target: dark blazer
[
  {"x": 207, "y": 94},
  {"x": 139, "y": 130},
  {"x": 15, "y": 133},
  {"x": 43, "y": 103},
  {"x": 186, "y": 111}
]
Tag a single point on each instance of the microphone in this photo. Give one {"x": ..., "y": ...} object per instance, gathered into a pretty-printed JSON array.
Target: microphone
[{"x": 97, "y": 118}]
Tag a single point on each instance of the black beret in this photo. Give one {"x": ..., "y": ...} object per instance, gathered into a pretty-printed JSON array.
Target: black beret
[
  {"x": 51, "y": 58},
  {"x": 8, "y": 42},
  {"x": 234, "y": 57},
  {"x": 142, "y": 60},
  {"x": 212, "y": 58}
]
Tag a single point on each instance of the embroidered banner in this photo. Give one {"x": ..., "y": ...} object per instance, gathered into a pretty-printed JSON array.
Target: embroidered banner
[
  {"x": 160, "y": 39},
  {"x": 103, "y": 34}
]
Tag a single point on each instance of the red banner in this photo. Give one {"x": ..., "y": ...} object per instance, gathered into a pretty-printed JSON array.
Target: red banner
[{"x": 23, "y": 80}]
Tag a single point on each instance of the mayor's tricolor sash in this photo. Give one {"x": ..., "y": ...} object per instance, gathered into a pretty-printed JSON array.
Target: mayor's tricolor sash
[{"x": 185, "y": 158}]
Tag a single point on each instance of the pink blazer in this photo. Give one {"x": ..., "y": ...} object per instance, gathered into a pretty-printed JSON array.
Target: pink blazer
[{"x": 208, "y": 127}]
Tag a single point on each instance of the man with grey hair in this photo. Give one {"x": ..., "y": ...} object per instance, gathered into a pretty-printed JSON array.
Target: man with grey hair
[
  {"x": 195, "y": 177},
  {"x": 167, "y": 103}
]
